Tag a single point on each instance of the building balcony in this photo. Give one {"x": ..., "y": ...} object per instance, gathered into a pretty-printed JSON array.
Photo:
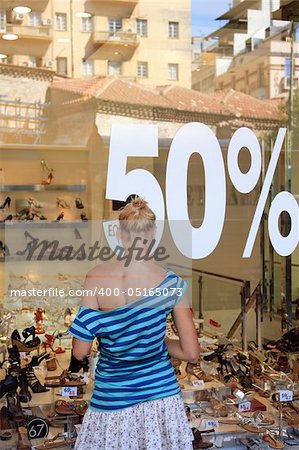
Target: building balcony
[
  {"x": 35, "y": 5},
  {"x": 118, "y": 46},
  {"x": 41, "y": 32},
  {"x": 123, "y": 38}
]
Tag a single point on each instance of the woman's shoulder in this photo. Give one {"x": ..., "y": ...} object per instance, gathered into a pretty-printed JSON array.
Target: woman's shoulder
[{"x": 103, "y": 270}]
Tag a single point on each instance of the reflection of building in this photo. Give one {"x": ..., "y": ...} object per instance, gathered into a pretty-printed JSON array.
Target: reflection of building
[
  {"x": 146, "y": 41},
  {"x": 250, "y": 53}
]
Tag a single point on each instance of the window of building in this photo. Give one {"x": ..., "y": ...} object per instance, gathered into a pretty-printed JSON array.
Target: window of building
[
  {"x": 173, "y": 30},
  {"x": 32, "y": 62},
  {"x": 142, "y": 69},
  {"x": 60, "y": 22},
  {"x": 87, "y": 68},
  {"x": 114, "y": 67},
  {"x": 61, "y": 64},
  {"x": 114, "y": 25},
  {"x": 173, "y": 71},
  {"x": 141, "y": 27},
  {"x": 2, "y": 20},
  {"x": 35, "y": 19},
  {"x": 86, "y": 24}
]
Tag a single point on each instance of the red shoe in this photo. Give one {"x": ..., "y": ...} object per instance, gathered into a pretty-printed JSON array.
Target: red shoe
[
  {"x": 59, "y": 350},
  {"x": 214, "y": 323}
]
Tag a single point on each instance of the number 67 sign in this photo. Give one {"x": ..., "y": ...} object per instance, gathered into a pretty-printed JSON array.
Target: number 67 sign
[{"x": 142, "y": 141}]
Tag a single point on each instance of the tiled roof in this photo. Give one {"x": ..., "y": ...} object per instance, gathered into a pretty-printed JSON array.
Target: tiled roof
[
  {"x": 117, "y": 90},
  {"x": 243, "y": 105}
]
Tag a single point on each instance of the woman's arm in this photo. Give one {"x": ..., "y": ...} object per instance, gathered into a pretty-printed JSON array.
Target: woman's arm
[
  {"x": 82, "y": 348},
  {"x": 186, "y": 347}
]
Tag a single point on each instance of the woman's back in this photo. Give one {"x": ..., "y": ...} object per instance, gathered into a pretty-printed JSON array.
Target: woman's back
[{"x": 134, "y": 362}]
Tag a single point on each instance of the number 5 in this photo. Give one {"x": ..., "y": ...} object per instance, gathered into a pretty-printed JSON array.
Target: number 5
[{"x": 133, "y": 140}]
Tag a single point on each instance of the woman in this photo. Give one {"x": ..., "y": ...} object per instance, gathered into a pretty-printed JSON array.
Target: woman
[{"x": 136, "y": 402}]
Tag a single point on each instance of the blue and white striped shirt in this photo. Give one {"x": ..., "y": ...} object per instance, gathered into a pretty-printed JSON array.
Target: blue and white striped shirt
[{"x": 134, "y": 364}]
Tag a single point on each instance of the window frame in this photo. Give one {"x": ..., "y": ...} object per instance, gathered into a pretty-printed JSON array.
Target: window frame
[
  {"x": 141, "y": 64},
  {"x": 176, "y": 67},
  {"x": 57, "y": 16},
  {"x": 173, "y": 29},
  {"x": 139, "y": 27}
]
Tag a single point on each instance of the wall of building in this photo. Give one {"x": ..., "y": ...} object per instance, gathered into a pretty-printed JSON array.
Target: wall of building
[{"x": 46, "y": 43}]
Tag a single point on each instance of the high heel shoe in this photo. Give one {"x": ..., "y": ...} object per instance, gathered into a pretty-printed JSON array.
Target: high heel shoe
[
  {"x": 7, "y": 202},
  {"x": 60, "y": 217},
  {"x": 62, "y": 203},
  {"x": 79, "y": 203},
  {"x": 25, "y": 346},
  {"x": 48, "y": 180},
  {"x": 37, "y": 360},
  {"x": 9, "y": 217},
  {"x": 10, "y": 384},
  {"x": 24, "y": 394},
  {"x": 32, "y": 381},
  {"x": 4, "y": 251},
  {"x": 83, "y": 217},
  {"x": 195, "y": 370},
  {"x": 32, "y": 202}
]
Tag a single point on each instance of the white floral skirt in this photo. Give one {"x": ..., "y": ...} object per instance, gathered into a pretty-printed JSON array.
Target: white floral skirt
[{"x": 155, "y": 425}]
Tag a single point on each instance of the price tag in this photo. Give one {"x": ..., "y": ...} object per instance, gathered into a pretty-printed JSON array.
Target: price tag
[
  {"x": 244, "y": 406},
  {"x": 210, "y": 423},
  {"x": 69, "y": 391},
  {"x": 37, "y": 428},
  {"x": 285, "y": 396},
  {"x": 199, "y": 384}
]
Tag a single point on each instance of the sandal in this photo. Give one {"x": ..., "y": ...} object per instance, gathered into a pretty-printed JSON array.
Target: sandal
[
  {"x": 65, "y": 379},
  {"x": 68, "y": 408},
  {"x": 272, "y": 441},
  {"x": 55, "y": 442},
  {"x": 198, "y": 442},
  {"x": 249, "y": 426}
]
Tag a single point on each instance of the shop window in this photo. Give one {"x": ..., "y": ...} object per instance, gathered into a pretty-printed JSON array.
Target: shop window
[
  {"x": 141, "y": 27},
  {"x": 86, "y": 24},
  {"x": 61, "y": 65},
  {"x": 114, "y": 67},
  {"x": 114, "y": 25},
  {"x": 60, "y": 21},
  {"x": 87, "y": 68},
  {"x": 173, "y": 30},
  {"x": 173, "y": 71},
  {"x": 2, "y": 20},
  {"x": 142, "y": 69},
  {"x": 34, "y": 19}
]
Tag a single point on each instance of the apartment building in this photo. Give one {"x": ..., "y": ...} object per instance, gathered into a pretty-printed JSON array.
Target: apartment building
[
  {"x": 249, "y": 53},
  {"x": 148, "y": 41}
]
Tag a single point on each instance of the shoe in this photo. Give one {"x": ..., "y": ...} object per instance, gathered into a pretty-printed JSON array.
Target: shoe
[
  {"x": 7, "y": 202},
  {"x": 76, "y": 365},
  {"x": 48, "y": 180},
  {"x": 4, "y": 251},
  {"x": 83, "y": 217},
  {"x": 32, "y": 381},
  {"x": 60, "y": 217},
  {"x": 194, "y": 370},
  {"x": 37, "y": 360},
  {"x": 33, "y": 203},
  {"x": 9, "y": 217},
  {"x": 25, "y": 346},
  {"x": 79, "y": 203},
  {"x": 10, "y": 384},
  {"x": 24, "y": 394},
  {"x": 60, "y": 202}
]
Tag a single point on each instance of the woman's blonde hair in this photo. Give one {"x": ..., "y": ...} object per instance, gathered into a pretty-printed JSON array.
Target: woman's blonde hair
[{"x": 137, "y": 216}]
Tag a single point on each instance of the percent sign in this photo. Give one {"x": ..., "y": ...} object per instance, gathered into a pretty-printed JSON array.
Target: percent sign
[{"x": 246, "y": 182}]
